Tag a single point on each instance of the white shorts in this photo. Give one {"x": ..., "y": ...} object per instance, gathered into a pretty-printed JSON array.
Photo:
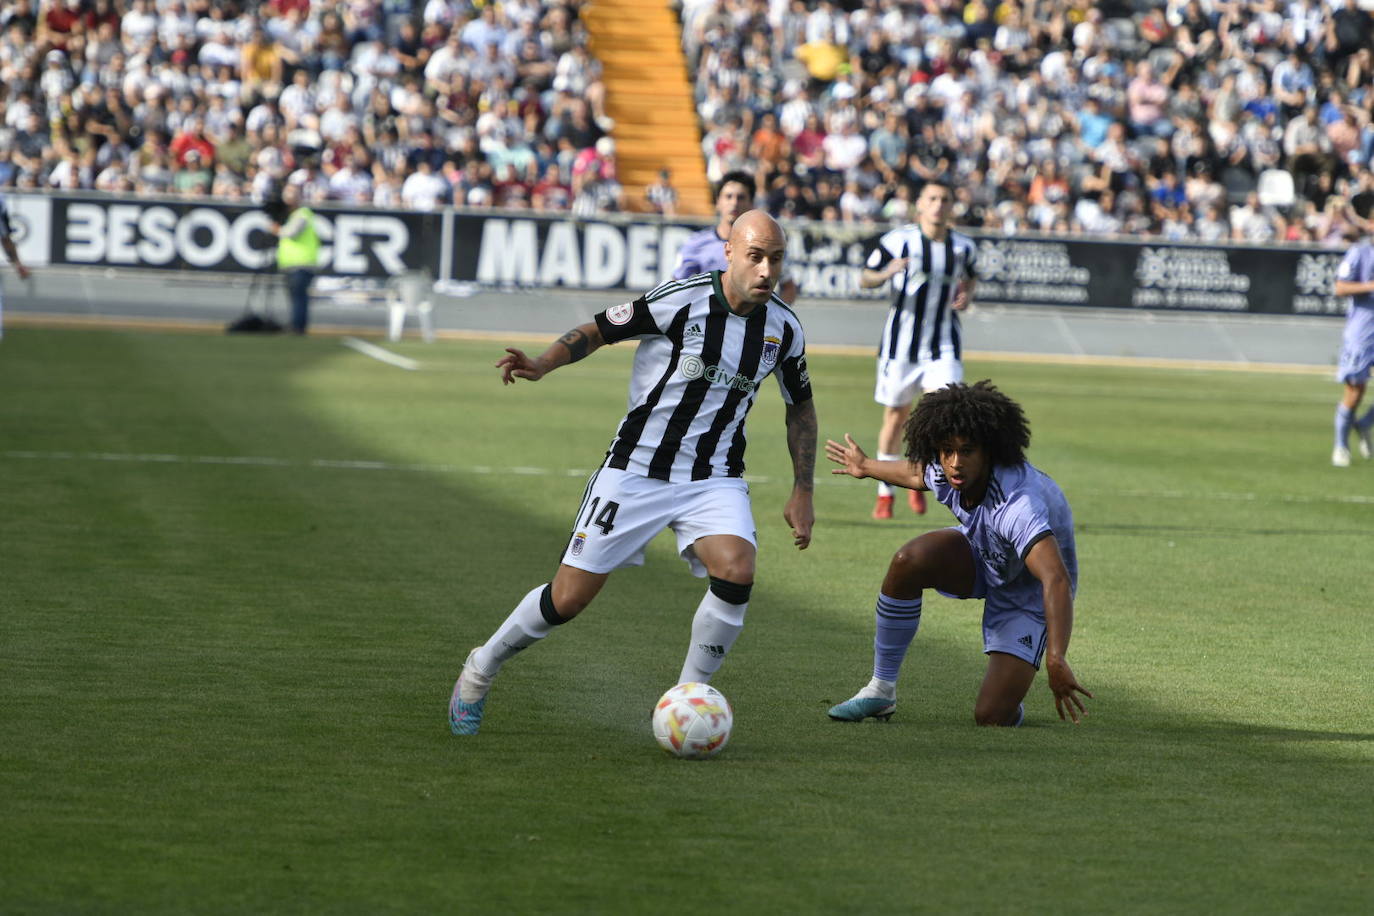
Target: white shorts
[
  {"x": 622, "y": 512},
  {"x": 901, "y": 382}
]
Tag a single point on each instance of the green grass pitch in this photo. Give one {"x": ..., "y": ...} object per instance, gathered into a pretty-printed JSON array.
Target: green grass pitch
[{"x": 240, "y": 575}]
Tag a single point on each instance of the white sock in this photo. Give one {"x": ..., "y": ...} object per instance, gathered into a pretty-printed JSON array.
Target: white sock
[
  {"x": 879, "y": 688},
  {"x": 715, "y": 628},
  {"x": 523, "y": 628},
  {"x": 885, "y": 489}
]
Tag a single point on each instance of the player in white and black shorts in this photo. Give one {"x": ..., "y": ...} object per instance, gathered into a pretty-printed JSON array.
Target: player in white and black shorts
[
  {"x": 11, "y": 252},
  {"x": 930, "y": 268},
  {"x": 707, "y": 342}
]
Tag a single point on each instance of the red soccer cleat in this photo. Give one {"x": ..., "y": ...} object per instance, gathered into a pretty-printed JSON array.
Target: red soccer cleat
[
  {"x": 917, "y": 500},
  {"x": 883, "y": 507}
]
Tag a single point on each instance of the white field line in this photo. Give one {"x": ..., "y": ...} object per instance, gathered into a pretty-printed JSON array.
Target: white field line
[
  {"x": 525, "y": 471},
  {"x": 380, "y": 354}
]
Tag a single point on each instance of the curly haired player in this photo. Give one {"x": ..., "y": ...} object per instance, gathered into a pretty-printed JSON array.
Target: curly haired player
[{"x": 1013, "y": 547}]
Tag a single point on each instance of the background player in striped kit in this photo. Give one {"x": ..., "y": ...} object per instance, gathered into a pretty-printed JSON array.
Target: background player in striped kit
[
  {"x": 1355, "y": 278},
  {"x": 11, "y": 252},
  {"x": 677, "y": 460},
  {"x": 931, "y": 269},
  {"x": 1013, "y": 547},
  {"x": 705, "y": 250}
]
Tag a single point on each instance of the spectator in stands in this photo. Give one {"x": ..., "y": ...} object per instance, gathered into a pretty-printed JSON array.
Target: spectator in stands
[
  {"x": 551, "y": 192},
  {"x": 192, "y": 139},
  {"x": 661, "y": 196},
  {"x": 260, "y": 62},
  {"x": 1306, "y": 148},
  {"x": 423, "y": 189},
  {"x": 824, "y": 58},
  {"x": 1253, "y": 222}
]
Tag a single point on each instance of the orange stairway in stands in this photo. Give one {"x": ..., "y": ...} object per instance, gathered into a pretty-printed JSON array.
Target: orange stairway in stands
[{"x": 649, "y": 96}]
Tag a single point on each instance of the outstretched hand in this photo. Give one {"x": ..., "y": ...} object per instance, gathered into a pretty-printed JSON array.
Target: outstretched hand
[
  {"x": 849, "y": 456},
  {"x": 1063, "y": 684},
  {"x": 515, "y": 364}
]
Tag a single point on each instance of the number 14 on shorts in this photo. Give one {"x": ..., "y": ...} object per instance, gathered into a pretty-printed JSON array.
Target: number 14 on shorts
[{"x": 606, "y": 520}]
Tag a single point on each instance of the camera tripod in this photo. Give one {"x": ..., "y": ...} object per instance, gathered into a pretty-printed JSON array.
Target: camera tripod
[{"x": 257, "y": 311}]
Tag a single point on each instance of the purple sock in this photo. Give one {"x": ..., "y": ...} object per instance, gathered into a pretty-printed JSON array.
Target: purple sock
[
  {"x": 1345, "y": 418},
  {"x": 897, "y": 620}
]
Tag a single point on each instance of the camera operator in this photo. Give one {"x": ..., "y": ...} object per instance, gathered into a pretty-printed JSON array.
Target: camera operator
[{"x": 298, "y": 251}]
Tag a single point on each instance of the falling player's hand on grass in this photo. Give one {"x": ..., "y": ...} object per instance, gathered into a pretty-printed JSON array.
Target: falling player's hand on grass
[
  {"x": 849, "y": 455},
  {"x": 1063, "y": 684},
  {"x": 515, "y": 364}
]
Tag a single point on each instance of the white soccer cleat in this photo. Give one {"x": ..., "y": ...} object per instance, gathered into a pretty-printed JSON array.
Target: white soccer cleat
[{"x": 1340, "y": 457}]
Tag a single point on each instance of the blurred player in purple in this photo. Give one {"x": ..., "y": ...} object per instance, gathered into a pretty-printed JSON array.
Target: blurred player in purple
[
  {"x": 1355, "y": 278},
  {"x": 1013, "y": 547},
  {"x": 705, "y": 250}
]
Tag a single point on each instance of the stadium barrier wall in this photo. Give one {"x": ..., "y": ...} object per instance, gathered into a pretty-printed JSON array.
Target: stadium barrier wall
[
  {"x": 177, "y": 234},
  {"x": 520, "y": 249}
]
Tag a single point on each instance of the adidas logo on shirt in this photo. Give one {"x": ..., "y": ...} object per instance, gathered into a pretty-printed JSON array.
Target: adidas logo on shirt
[{"x": 693, "y": 331}]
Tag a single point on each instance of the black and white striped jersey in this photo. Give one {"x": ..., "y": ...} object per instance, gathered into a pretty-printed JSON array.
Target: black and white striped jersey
[
  {"x": 696, "y": 374},
  {"x": 920, "y": 324}
]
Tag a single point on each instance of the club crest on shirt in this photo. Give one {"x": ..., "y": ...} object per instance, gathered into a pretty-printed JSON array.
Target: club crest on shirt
[
  {"x": 620, "y": 314},
  {"x": 771, "y": 345},
  {"x": 579, "y": 541}
]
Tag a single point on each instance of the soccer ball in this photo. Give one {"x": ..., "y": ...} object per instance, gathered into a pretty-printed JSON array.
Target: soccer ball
[{"x": 693, "y": 721}]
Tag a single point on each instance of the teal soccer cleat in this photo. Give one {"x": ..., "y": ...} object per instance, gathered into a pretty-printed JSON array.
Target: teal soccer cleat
[
  {"x": 860, "y": 708},
  {"x": 466, "y": 718}
]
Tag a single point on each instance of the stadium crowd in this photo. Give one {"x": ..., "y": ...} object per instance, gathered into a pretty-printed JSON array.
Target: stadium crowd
[
  {"x": 1190, "y": 119},
  {"x": 409, "y": 103}
]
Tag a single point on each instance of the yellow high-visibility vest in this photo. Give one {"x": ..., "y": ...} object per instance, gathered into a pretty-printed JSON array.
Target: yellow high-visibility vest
[{"x": 303, "y": 250}]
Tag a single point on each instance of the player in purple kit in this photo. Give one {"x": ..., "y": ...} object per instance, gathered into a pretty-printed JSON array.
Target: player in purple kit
[
  {"x": 705, "y": 250},
  {"x": 1013, "y": 547},
  {"x": 1355, "y": 278}
]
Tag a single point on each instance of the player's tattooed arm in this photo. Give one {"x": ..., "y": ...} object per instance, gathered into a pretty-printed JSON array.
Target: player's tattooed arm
[
  {"x": 575, "y": 345},
  {"x": 801, "y": 444}
]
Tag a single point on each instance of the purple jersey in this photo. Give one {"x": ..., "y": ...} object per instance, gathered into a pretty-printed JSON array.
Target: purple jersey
[
  {"x": 1021, "y": 507},
  {"x": 702, "y": 251},
  {"x": 1357, "y": 342}
]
